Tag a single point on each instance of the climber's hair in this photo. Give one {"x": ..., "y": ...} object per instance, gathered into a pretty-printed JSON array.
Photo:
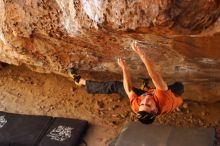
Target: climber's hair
[
  {"x": 177, "y": 88},
  {"x": 146, "y": 117}
]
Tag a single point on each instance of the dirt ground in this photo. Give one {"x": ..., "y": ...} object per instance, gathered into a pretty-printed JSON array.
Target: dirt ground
[{"x": 27, "y": 92}]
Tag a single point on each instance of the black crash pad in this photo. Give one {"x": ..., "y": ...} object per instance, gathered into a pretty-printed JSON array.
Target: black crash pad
[
  {"x": 138, "y": 134},
  {"x": 64, "y": 133},
  {"x": 28, "y": 130}
]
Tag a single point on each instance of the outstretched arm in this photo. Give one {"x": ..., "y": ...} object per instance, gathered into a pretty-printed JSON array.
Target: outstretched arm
[
  {"x": 157, "y": 79},
  {"x": 126, "y": 78}
]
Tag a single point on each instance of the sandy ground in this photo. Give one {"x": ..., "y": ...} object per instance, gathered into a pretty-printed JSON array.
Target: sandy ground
[{"x": 27, "y": 92}]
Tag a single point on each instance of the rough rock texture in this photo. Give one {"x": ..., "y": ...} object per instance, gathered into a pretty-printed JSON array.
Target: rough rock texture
[{"x": 181, "y": 36}]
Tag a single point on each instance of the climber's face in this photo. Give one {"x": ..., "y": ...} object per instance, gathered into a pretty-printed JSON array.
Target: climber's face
[{"x": 148, "y": 104}]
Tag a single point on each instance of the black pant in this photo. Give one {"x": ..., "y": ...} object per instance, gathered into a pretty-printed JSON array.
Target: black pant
[{"x": 95, "y": 87}]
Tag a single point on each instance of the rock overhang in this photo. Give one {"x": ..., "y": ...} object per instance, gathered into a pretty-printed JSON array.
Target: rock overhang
[{"x": 182, "y": 37}]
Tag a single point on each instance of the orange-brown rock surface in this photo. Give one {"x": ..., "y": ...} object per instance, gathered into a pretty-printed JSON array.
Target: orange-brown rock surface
[{"x": 181, "y": 36}]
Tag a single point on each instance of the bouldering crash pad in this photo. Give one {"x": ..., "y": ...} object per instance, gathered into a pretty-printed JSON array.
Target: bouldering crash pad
[
  {"x": 30, "y": 130},
  {"x": 138, "y": 134}
]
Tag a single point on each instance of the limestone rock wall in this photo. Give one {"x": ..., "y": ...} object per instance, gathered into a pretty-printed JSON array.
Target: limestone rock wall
[{"x": 181, "y": 36}]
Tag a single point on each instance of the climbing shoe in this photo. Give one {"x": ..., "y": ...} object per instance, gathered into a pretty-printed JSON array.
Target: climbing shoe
[{"x": 72, "y": 72}]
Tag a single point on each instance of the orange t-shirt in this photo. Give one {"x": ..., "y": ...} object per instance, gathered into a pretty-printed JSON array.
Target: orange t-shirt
[{"x": 166, "y": 101}]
